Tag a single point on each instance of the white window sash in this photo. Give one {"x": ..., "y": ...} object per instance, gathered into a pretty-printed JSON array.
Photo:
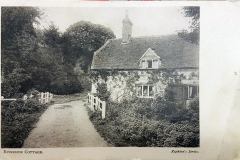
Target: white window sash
[{"x": 148, "y": 91}]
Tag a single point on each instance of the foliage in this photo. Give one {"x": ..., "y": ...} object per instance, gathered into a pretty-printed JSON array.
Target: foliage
[
  {"x": 18, "y": 118},
  {"x": 99, "y": 74},
  {"x": 82, "y": 39},
  {"x": 15, "y": 79},
  {"x": 14, "y": 22},
  {"x": 52, "y": 37},
  {"x": 18, "y": 42},
  {"x": 146, "y": 122},
  {"x": 102, "y": 91},
  {"x": 194, "y": 13},
  {"x": 193, "y": 35},
  {"x": 33, "y": 58}
]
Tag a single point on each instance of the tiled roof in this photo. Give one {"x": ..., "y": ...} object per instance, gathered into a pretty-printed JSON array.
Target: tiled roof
[{"x": 174, "y": 52}]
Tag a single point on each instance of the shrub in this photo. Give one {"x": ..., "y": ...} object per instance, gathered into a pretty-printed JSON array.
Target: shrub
[
  {"x": 32, "y": 105},
  {"x": 18, "y": 118},
  {"x": 194, "y": 105},
  {"x": 148, "y": 123}
]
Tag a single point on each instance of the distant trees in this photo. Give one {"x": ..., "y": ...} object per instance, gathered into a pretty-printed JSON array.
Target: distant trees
[
  {"x": 45, "y": 59},
  {"x": 192, "y": 35}
]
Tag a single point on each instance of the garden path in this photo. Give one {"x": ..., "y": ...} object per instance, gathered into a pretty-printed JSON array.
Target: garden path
[{"x": 65, "y": 125}]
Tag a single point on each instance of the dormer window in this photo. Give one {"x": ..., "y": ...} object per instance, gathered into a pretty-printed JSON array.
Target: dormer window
[{"x": 149, "y": 60}]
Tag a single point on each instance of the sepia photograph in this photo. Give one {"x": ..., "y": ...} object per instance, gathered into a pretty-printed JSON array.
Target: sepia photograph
[{"x": 100, "y": 77}]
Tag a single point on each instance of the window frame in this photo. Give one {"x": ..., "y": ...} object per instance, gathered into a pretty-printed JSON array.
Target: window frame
[
  {"x": 190, "y": 92},
  {"x": 150, "y": 63},
  {"x": 142, "y": 95}
]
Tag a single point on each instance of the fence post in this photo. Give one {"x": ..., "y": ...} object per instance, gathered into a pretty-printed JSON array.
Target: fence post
[
  {"x": 25, "y": 97},
  {"x": 103, "y": 109},
  {"x": 92, "y": 103},
  {"x": 41, "y": 97},
  {"x": 51, "y": 96},
  {"x": 47, "y": 97},
  {"x": 97, "y": 104}
]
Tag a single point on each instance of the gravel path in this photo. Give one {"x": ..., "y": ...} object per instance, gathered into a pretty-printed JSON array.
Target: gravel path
[{"x": 65, "y": 125}]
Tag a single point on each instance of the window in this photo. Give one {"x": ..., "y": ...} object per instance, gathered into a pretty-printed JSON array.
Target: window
[
  {"x": 150, "y": 91},
  {"x": 171, "y": 80},
  {"x": 149, "y": 63},
  {"x": 155, "y": 63},
  {"x": 143, "y": 64},
  {"x": 139, "y": 90},
  {"x": 192, "y": 91},
  {"x": 145, "y": 91}
]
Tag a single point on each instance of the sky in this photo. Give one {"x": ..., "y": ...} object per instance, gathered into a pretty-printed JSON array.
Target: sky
[{"x": 151, "y": 21}]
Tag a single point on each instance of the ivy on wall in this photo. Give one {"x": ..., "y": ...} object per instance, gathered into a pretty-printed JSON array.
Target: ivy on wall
[
  {"x": 102, "y": 91},
  {"x": 125, "y": 81}
]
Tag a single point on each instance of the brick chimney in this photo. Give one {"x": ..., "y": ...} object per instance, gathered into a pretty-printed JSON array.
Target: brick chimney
[{"x": 126, "y": 29}]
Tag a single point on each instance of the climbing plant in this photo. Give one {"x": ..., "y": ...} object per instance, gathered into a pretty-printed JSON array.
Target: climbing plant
[{"x": 102, "y": 91}]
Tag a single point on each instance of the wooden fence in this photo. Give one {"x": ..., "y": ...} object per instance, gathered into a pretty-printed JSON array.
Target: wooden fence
[
  {"x": 43, "y": 97},
  {"x": 96, "y": 104},
  {"x": 8, "y": 99}
]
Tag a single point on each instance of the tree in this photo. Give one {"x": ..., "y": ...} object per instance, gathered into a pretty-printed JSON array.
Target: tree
[
  {"x": 52, "y": 37},
  {"x": 18, "y": 43},
  {"x": 45, "y": 59},
  {"x": 194, "y": 14},
  {"x": 14, "y": 21},
  {"x": 82, "y": 39},
  {"x": 192, "y": 35}
]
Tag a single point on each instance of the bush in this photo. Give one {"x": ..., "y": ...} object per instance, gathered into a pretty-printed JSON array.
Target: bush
[
  {"x": 32, "y": 105},
  {"x": 67, "y": 87},
  {"x": 18, "y": 118},
  {"x": 144, "y": 123}
]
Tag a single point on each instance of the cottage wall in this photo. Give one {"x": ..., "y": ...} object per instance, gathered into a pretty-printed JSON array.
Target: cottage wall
[{"x": 122, "y": 86}]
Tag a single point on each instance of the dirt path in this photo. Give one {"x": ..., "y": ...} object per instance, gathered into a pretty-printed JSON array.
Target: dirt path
[{"x": 65, "y": 125}]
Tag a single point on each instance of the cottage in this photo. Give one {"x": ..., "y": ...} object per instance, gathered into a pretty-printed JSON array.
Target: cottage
[{"x": 146, "y": 67}]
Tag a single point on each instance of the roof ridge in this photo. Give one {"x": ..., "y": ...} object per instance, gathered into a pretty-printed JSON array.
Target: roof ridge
[
  {"x": 152, "y": 36},
  {"x": 156, "y": 36}
]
